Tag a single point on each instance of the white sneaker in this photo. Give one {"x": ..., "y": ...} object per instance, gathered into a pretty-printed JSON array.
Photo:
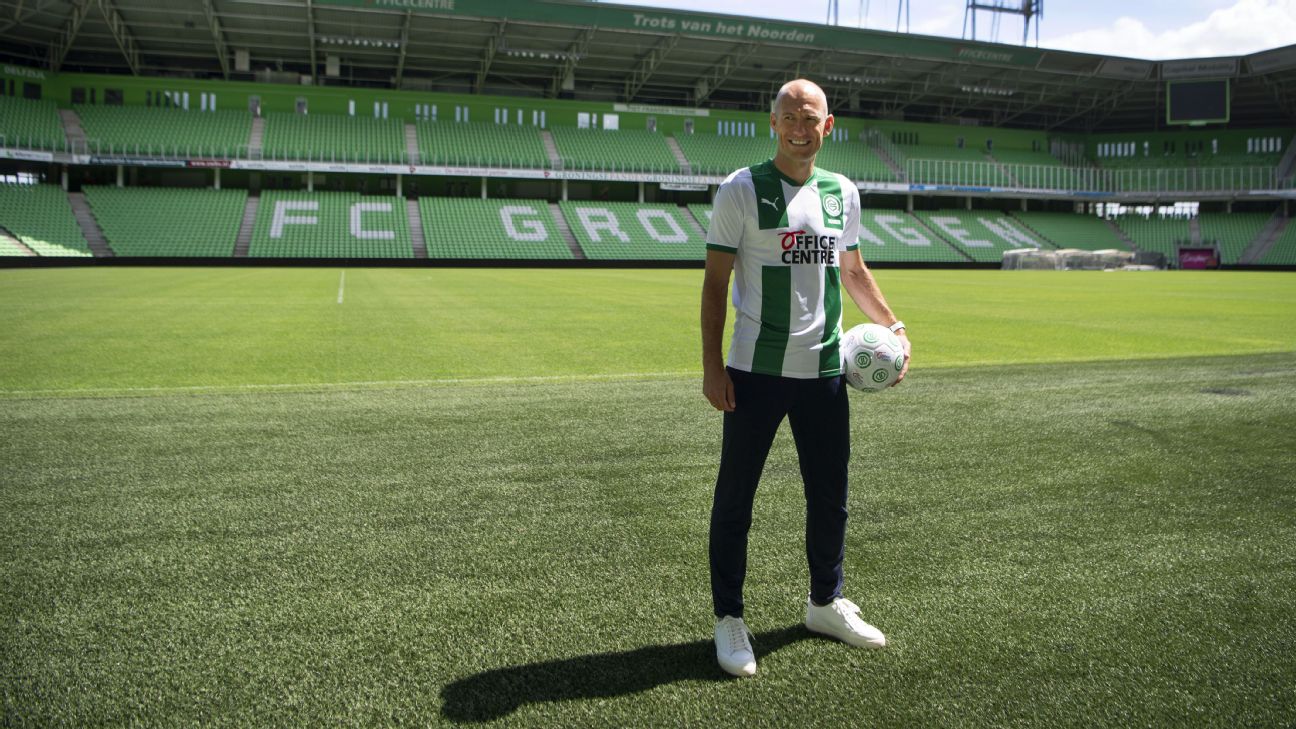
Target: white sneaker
[
  {"x": 733, "y": 650},
  {"x": 841, "y": 621}
]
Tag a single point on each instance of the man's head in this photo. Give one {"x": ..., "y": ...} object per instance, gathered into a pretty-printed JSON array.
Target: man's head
[{"x": 800, "y": 120}]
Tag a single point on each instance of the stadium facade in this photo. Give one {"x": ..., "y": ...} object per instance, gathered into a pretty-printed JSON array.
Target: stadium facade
[{"x": 465, "y": 131}]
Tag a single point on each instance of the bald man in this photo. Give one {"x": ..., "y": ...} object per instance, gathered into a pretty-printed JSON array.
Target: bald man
[{"x": 786, "y": 231}]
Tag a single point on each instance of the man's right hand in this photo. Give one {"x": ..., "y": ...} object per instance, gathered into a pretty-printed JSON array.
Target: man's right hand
[{"x": 718, "y": 388}]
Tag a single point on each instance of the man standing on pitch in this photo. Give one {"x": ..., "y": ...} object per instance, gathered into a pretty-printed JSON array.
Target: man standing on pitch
[{"x": 788, "y": 232}]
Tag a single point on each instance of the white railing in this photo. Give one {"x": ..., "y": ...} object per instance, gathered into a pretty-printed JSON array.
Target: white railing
[{"x": 967, "y": 173}]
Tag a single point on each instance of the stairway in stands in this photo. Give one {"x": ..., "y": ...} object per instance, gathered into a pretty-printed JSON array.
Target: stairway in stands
[
  {"x": 551, "y": 149},
  {"x": 416, "y": 228},
  {"x": 256, "y": 139},
  {"x": 12, "y": 240},
  {"x": 685, "y": 166},
  {"x": 411, "y": 144},
  {"x": 244, "y": 241},
  {"x": 72, "y": 130},
  {"x": 565, "y": 230},
  {"x": 89, "y": 226}
]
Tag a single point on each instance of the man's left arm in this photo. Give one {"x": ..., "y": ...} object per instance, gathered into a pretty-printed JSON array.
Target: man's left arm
[{"x": 863, "y": 289}]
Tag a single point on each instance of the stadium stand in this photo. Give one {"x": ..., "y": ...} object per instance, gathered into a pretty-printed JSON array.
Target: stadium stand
[
  {"x": 1283, "y": 251},
  {"x": 894, "y": 235},
  {"x": 633, "y": 231},
  {"x": 334, "y": 138},
  {"x": 172, "y": 132},
  {"x": 41, "y": 217},
  {"x": 491, "y": 229},
  {"x": 943, "y": 165},
  {"x": 1232, "y": 232},
  {"x": 983, "y": 235},
  {"x": 30, "y": 124},
  {"x": 715, "y": 155},
  {"x": 168, "y": 222},
  {"x": 1156, "y": 233},
  {"x": 330, "y": 225},
  {"x": 621, "y": 150},
  {"x": 1069, "y": 230},
  {"x": 489, "y": 145},
  {"x": 854, "y": 159},
  {"x": 702, "y": 214}
]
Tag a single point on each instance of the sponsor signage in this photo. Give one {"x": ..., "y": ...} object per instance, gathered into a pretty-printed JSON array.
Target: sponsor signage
[
  {"x": 1125, "y": 68},
  {"x": 209, "y": 163},
  {"x": 1199, "y": 68},
  {"x": 23, "y": 72},
  {"x": 136, "y": 161},
  {"x": 707, "y": 25},
  {"x": 1278, "y": 60},
  {"x": 683, "y": 187},
  {"x": 27, "y": 154},
  {"x": 654, "y": 109}
]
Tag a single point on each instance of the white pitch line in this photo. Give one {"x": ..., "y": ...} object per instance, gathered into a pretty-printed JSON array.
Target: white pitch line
[
  {"x": 536, "y": 379},
  {"x": 341, "y": 286}
]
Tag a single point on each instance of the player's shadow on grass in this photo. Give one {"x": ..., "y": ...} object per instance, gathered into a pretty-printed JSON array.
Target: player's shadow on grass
[{"x": 499, "y": 692}]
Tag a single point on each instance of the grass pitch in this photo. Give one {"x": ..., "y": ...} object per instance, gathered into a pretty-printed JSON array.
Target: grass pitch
[{"x": 482, "y": 496}]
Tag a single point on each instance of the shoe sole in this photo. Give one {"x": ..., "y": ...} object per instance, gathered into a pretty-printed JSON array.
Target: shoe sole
[{"x": 867, "y": 644}]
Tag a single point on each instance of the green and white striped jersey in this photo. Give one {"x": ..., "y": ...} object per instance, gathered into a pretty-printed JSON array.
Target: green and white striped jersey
[{"x": 788, "y": 239}]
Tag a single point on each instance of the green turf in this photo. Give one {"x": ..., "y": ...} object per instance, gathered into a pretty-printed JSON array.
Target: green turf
[{"x": 1089, "y": 541}]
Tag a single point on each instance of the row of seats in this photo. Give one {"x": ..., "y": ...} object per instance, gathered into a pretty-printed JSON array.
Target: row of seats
[
  {"x": 186, "y": 222},
  {"x": 170, "y": 132},
  {"x": 1283, "y": 251},
  {"x": 334, "y": 138},
  {"x": 486, "y": 145},
  {"x": 31, "y": 124},
  {"x": 40, "y": 217},
  {"x": 616, "y": 151},
  {"x": 152, "y": 221}
]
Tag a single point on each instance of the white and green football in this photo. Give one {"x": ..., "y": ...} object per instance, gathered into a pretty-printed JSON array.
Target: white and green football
[{"x": 872, "y": 357}]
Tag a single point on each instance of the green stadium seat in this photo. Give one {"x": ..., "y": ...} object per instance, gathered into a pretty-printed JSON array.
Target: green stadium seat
[
  {"x": 897, "y": 236},
  {"x": 40, "y": 216},
  {"x": 167, "y": 222},
  {"x": 614, "y": 150},
  {"x": 334, "y": 138},
  {"x": 330, "y": 225},
  {"x": 982, "y": 234},
  {"x": 144, "y": 131},
  {"x": 491, "y": 229},
  {"x": 1283, "y": 251},
  {"x": 634, "y": 231},
  {"x": 1070, "y": 230},
  {"x": 1155, "y": 233},
  {"x": 1232, "y": 232},
  {"x": 29, "y": 124},
  {"x": 485, "y": 145}
]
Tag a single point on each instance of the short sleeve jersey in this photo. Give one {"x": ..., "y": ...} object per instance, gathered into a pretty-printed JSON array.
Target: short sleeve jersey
[{"x": 788, "y": 239}]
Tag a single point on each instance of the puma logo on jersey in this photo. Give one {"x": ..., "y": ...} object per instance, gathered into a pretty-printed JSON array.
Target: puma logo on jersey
[{"x": 772, "y": 203}]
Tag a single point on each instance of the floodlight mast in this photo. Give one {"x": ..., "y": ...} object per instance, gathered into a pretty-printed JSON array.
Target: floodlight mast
[{"x": 1028, "y": 9}]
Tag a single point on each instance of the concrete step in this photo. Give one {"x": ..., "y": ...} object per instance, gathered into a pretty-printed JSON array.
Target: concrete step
[
  {"x": 1111, "y": 224},
  {"x": 11, "y": 239},
  {"x": 89, "y": 226},
  {"x": 244, "y": 240},
  {"x": 1194, "y": 231},
  {"x": 551, "y": 149},
  {"x": 560, "y": 221},
  {"x": 685, "y": 166},
  {"x": 76, "y": 137},
  {"x": 937, "y": 236},
  {"x": 256, "y": 138},
  {"x": 1266, "y": 238},
  {"x": 411, "y": 144},
  {"x": 695, "y": 226},
  {"x": 415, "y": 217}
]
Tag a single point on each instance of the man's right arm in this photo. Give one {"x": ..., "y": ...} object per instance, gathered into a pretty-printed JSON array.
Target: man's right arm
[{"x": 716, "y": 384}]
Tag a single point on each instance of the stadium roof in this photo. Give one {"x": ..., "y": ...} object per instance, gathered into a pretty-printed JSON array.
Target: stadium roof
[{"x": 608, "y": 52}]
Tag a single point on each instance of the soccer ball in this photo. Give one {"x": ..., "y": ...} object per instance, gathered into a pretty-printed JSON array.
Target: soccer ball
[{"x": 872, "y": 357}]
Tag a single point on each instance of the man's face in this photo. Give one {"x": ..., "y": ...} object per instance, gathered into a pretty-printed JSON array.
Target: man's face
[{"x": 800, "y": 122}]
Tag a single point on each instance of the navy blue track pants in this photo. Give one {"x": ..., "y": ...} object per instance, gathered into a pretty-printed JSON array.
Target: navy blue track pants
[{"x": 819, "y": 413}]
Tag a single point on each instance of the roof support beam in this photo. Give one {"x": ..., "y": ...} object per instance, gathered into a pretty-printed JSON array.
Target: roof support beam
[
  {"x": 640, "y": 74},
  {"x": 20, "y": 17},
  {"x": 493, "y": 45},
  {"x": 310, "y": 33},
  {"x": 719, "y": 73},
  {"x": 218, "y": 36},
  {"x": 565, "y": 78},
  {"x": 122, "y": 34},
  {"x": 61, "y": 45},
  {"x": 404, "y": 41}
]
